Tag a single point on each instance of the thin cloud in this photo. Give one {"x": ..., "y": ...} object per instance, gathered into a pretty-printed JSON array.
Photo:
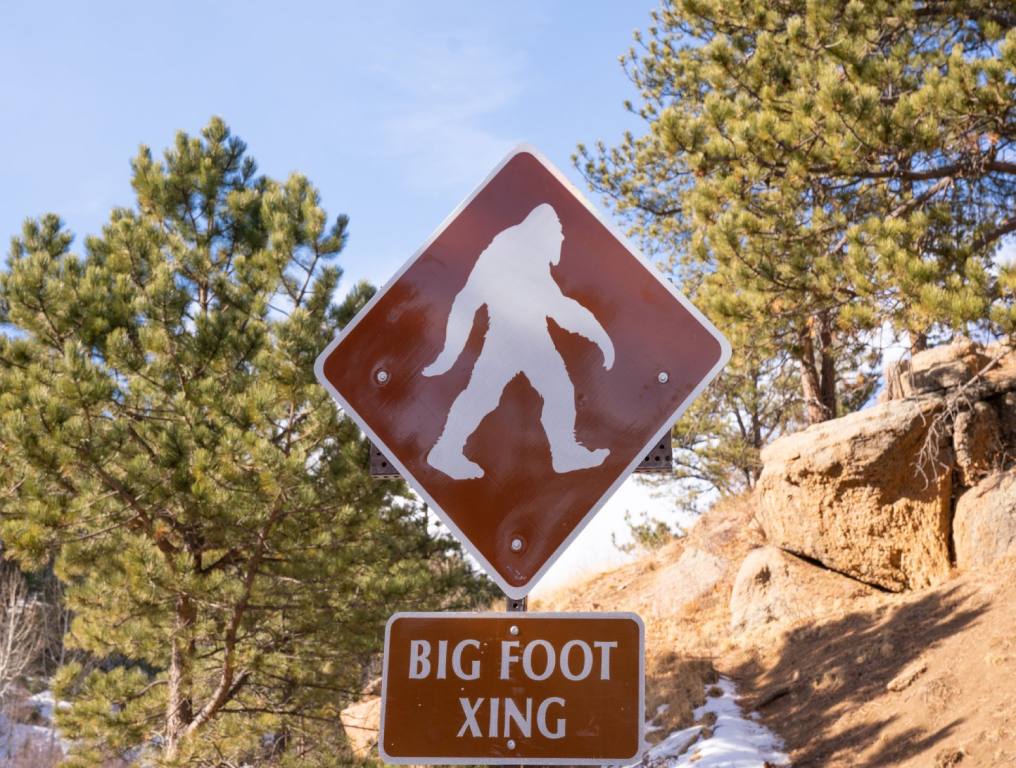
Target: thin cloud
[{"x": 450, "y": 96}]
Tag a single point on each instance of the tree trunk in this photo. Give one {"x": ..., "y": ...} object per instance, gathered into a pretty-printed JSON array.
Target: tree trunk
[
  {"x": 179, "y": 704},
  {"x": 828, "y": 365},
  {"x": 818, "y": 370},
  {"x": 918, "y": 342},
  {"x": 757, "y": 441}
]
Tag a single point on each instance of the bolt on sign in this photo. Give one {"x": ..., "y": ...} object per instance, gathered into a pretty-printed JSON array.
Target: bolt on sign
[
  {"x": 563, "y": 688},
  {"x": 520, "y": 366}
]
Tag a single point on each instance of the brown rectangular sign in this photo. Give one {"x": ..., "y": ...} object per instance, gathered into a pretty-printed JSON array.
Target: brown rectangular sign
[{"x": 495, "y": 688}]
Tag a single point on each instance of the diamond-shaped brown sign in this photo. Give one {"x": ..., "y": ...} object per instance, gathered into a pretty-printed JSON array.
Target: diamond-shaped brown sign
[{"x": 520, "y": 365}]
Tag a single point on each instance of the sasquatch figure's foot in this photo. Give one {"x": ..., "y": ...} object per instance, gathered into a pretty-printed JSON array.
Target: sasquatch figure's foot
[
  {"x": 575, "y": 457},
  {"x": 453, "y": 463}
]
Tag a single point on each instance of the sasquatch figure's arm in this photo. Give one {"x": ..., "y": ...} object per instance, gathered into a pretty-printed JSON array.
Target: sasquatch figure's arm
[
  {"x": 460, "y": 323},
  {"x": 572, "y": 316}
]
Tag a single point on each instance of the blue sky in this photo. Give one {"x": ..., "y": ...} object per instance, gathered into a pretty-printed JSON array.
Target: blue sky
[{"x": 394, "y": 110}]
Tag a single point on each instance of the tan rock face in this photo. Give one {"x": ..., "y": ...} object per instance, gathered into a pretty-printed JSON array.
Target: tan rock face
[
  {"x": 984, "y": 528},
  {"x": 949, "y": 365},
  {"x": 847, "y": 493},
  {"x": 1005, "y": 407},
  {"x": 677, "y": 584},
  {"x": 773, "y": 587},
  {"x": 976, "y": 442},
  {"x": 361, "y": 722},
  {"x": 897, "y": 381},
  {"x": 1004, "y": 354}
]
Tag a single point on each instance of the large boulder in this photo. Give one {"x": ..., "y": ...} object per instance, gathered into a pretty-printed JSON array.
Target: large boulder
[
  {"x": 679, "y": 583},
  {"x": 944, "y": 367},
  {"x": 773, "y": 587},
  {"x": 850, "y": 494},
  {"x": 361, "y": 721},
  {"x": 984, "y": 528},
  {"x": 1004, "y": 355}
]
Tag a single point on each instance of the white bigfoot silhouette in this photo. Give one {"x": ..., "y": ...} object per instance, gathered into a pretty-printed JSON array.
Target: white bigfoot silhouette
[{"x": 512, "y": 277}]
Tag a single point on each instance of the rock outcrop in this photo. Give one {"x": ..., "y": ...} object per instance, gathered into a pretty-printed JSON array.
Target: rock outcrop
[
  {"x": 848, "y": 493},
  {"x": 977, "y": 442},
  {"x": 935, "y": 370},
  {"x": 687, "y": 579},
  {"x": 984, "y": 528},
  {"x": 1005, "y": 407},
  {"x": 361, "y": 721},
  {"x": 944, "y": 367},
  {"x": 773, "y": 587},
  {"x": 873, "y": 494}
]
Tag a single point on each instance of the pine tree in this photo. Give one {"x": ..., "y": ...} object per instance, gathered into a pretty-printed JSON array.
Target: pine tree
[
  {"x": 824, "y": 169},
  {"x": 229, "y": 563},
  {"x": 718, "y": 441}
]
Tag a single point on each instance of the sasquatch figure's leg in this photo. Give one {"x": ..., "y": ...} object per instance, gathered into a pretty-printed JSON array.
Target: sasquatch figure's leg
[
  {"x": 550, "y": 379},
  {"x": 490, "y": 376}
]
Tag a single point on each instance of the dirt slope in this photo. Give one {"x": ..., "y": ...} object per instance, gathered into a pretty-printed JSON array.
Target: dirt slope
[
  {"x": 686, "y": 626},
  {"x": 922, "y": 679}
]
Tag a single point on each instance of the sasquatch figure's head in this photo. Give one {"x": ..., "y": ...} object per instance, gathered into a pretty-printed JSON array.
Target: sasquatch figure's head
[{"x": 541, "y": 231}]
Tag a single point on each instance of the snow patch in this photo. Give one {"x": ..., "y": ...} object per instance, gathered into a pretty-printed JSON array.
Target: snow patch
[
  {"x": 18, "y": 740},
  {"x": 734, "y": 741},
  {"x": 45, "y": 705}
]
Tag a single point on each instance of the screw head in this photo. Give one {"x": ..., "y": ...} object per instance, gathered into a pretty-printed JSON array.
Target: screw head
[
  {"x": 516, "y": 544},
  {"x": 513, "y": 629},
  {"x": 663, "y": 377},
  {"x": 382, "y": 376},
  {"x": 511, "y": 744}
]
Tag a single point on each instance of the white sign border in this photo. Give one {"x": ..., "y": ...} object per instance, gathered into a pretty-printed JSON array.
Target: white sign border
[
  {"x": 517, "y": 593},
  {"x": 521, "y": 617}
]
